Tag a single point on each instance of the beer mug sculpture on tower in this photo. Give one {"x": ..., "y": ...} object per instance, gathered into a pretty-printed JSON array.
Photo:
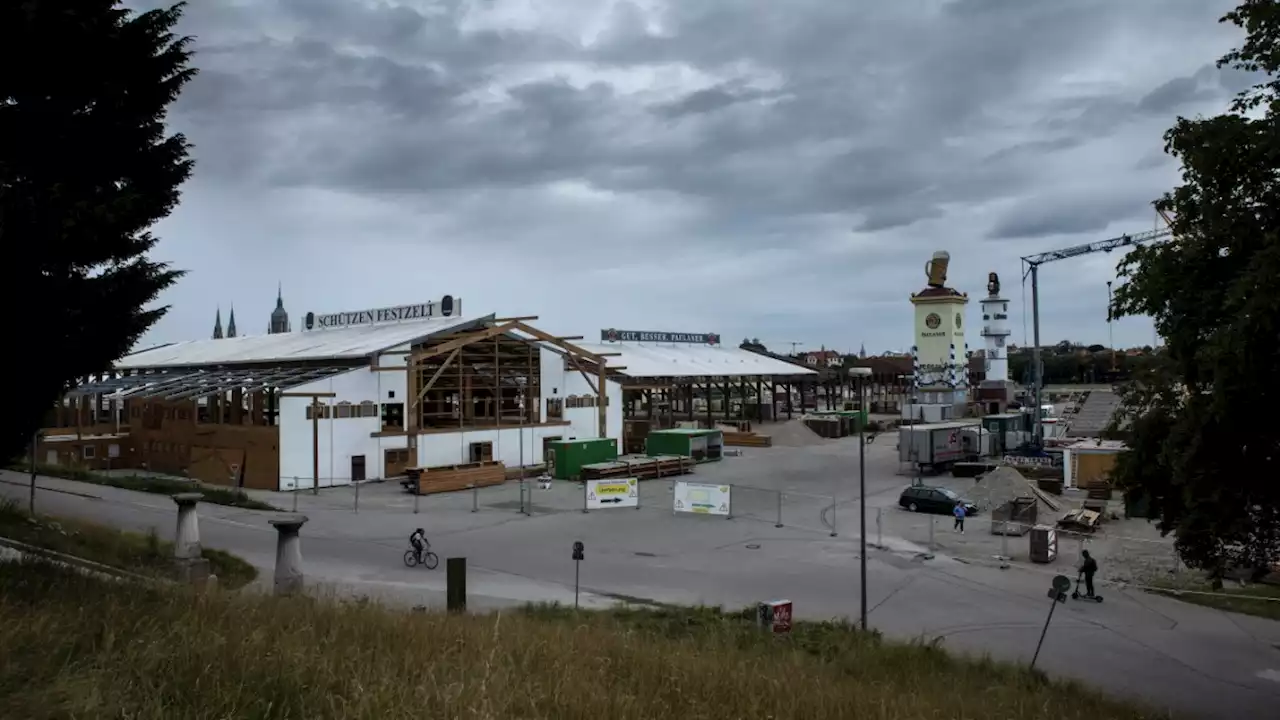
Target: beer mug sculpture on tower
[{"x": 936, "y": 269}]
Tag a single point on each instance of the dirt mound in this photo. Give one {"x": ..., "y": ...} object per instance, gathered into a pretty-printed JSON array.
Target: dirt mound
[
  {"x": 999, "y": 487},
  {"x": 792, "y": 433}
]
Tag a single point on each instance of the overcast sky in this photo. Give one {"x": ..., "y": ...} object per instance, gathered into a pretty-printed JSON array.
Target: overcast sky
[{"x": 780, "y": 170}]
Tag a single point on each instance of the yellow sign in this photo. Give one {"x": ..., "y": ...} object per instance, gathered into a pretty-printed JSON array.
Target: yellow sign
[{"x": 613, "y": 488}]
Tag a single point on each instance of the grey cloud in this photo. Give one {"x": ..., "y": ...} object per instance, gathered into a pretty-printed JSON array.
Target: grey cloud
[
  {"x": 1066, "y": 215},
  {"x": 709, "y": 100},
  {"x": 833, "y": 59},
  {"x": 1173, "y": 95}
]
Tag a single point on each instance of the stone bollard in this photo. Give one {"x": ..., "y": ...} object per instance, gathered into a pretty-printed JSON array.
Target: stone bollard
[
  {"x": 288, "y": 577},
  {"x": 188, "y": 558},
  {"x": 186, "y": 542}
]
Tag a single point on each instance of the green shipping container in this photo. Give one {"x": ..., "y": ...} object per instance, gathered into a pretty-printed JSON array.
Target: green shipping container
[
  {"x": 701, "y": 445},
  {"x": 855, "y": 416},
  {"x": 566, "y": 457}
]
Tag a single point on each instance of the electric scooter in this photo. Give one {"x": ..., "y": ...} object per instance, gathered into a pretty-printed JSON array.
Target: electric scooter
[{"x": 1077, "y": 595}]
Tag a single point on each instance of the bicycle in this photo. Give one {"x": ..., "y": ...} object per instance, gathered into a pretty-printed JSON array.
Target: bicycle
[{"x": 425, "y": 558}]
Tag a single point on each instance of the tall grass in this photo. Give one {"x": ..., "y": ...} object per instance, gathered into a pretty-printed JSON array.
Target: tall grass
[
  {"x": 1260, "y": 599},
  {"x": 138, "y": 553},
  {"x": 233, "y": 497},
  {"x": 71, "y": 646}
]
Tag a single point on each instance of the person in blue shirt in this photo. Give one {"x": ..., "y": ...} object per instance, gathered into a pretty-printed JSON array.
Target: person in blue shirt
[{"x": 958, "y": 511}]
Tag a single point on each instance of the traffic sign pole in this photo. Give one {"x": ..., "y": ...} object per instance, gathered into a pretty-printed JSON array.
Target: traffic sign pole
[
  {"x": 1058, "y": 593},
  {"x": 578, "y": 556}
]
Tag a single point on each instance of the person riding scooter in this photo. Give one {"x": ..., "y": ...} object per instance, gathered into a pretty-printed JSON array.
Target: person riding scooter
[{"x": 1088, "y": 567}]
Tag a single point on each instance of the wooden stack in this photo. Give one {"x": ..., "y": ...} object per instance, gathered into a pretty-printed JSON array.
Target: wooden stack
[
  {"x": 450, "y": 478},
  {"x": 746, "y": 439},
  {"x": 643, "y": 468}
]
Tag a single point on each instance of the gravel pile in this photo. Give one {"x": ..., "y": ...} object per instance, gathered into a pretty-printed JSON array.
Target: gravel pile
[
  {"x": 792, "y": 433},
  {"x": 999, "y": 487}
]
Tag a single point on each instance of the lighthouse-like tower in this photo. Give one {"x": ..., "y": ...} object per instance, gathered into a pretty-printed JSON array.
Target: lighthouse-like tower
[
  {"x": 996, "y": 391},
  {"x": 995, "y": 330}
]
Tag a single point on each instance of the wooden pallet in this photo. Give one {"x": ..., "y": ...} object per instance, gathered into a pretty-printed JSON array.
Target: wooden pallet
[
  {"x": 451, "y": 478},
  {"x": 746, "y": 439}
]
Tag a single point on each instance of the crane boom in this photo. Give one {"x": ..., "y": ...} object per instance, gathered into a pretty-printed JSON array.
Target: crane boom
[
  {"x": 1033, "y": 263},
  {"x": 1100, "y": 246}
]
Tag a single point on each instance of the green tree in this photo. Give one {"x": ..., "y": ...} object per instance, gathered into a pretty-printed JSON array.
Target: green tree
[
  {"x": 86, "y": 168},
  {"x": 1203, "y": 449}
]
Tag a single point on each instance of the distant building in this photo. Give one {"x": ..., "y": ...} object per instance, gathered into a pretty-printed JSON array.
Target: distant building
[
  {"x": 822, "y": 358},
  {"x": 279, "y": 320}
]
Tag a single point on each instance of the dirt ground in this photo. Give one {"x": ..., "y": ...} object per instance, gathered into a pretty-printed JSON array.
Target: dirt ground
[{"x": 1127, "y": 550}]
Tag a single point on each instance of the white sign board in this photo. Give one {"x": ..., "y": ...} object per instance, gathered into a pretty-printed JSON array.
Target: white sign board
[
  {"x": 619, "y": 493},
  {"x": 113, "y": 451},
  {"x": 1028, "y": 461},
  {"x": 701, "y": 498}
]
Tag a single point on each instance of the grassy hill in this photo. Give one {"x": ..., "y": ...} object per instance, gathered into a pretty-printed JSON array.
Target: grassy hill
[{"x": 72, "y": 646}]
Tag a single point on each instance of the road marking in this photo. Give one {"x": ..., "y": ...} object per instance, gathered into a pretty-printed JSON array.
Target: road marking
[{"x": 1271, "y": 674}]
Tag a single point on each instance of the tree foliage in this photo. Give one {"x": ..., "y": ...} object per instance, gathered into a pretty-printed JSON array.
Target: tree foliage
[
  {"x": 86, "y": 168},
  {"x": 1079, "y": 365},
  {"x": 1204, "y": 443}
]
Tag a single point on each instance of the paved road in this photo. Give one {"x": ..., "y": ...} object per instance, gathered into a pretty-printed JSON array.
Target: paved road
[{"x": 1191, "y": 659}]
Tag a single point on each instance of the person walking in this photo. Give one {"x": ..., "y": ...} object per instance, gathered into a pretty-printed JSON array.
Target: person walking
[{"x": 959, "y": 512}]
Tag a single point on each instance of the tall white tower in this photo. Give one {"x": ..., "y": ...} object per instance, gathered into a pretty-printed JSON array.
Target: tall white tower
[
  {"x": 995, "y": 330},
  {"x": 940, "y": 353}
]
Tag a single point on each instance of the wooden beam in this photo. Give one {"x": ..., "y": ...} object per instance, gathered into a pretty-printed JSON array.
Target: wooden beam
[
  {"x": 521, "y": 318},
  {"x": 463, "y": 340},
  {"x": 609, "y": 354},
  {"x": 308, "y": 394},
  {"x": 436, "y": 376},
  {"x": 389, "y": 368},
  {"x": 548, "y": 338},
  {"x": 585, "y": 376},
  {"x": 602, "y": 402},
  {"x": 563, "y": 338}
]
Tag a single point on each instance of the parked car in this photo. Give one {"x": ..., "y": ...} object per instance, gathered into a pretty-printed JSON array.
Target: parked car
[{"x": 938, "y": 500}]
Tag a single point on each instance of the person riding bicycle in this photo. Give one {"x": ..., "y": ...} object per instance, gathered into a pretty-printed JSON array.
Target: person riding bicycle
[{"x": 419, "y": 542}]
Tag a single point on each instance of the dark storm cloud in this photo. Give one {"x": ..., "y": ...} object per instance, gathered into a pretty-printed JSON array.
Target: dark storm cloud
[
  {"x": 1067, "y": 215},
  {"x": 709, "y": 100},
  {"x": 899, "y": 80}
]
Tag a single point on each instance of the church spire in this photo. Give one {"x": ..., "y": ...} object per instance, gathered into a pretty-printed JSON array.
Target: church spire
[
  {"x": 217, "y": 325},
  {"x": 279, "y": 316},
  {"x": 231, "y": 323}
]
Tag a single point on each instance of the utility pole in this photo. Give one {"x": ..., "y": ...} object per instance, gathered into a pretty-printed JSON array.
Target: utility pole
[{"x": 1111, "y": 338}]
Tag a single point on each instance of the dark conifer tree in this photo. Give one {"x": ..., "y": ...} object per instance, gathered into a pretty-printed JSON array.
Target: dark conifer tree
[{"x": 86, "y": 169}]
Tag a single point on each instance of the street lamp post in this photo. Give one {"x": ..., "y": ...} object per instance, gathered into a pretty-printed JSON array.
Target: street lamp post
[{"x": 861, "y": 374}]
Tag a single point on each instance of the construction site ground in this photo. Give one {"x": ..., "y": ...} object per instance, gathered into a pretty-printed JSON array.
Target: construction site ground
[{"x": 1130, "y": 550}]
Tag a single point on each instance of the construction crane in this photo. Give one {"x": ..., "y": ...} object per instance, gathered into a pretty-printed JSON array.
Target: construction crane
[
  {"x": 793, "y": 343},
  {"x": 1032, "y": 265}
]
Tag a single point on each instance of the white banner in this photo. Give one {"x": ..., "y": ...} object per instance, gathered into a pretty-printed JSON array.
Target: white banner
[
  {"x": 620, "y": 493},
  {"x": 701, "y": 498}
]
